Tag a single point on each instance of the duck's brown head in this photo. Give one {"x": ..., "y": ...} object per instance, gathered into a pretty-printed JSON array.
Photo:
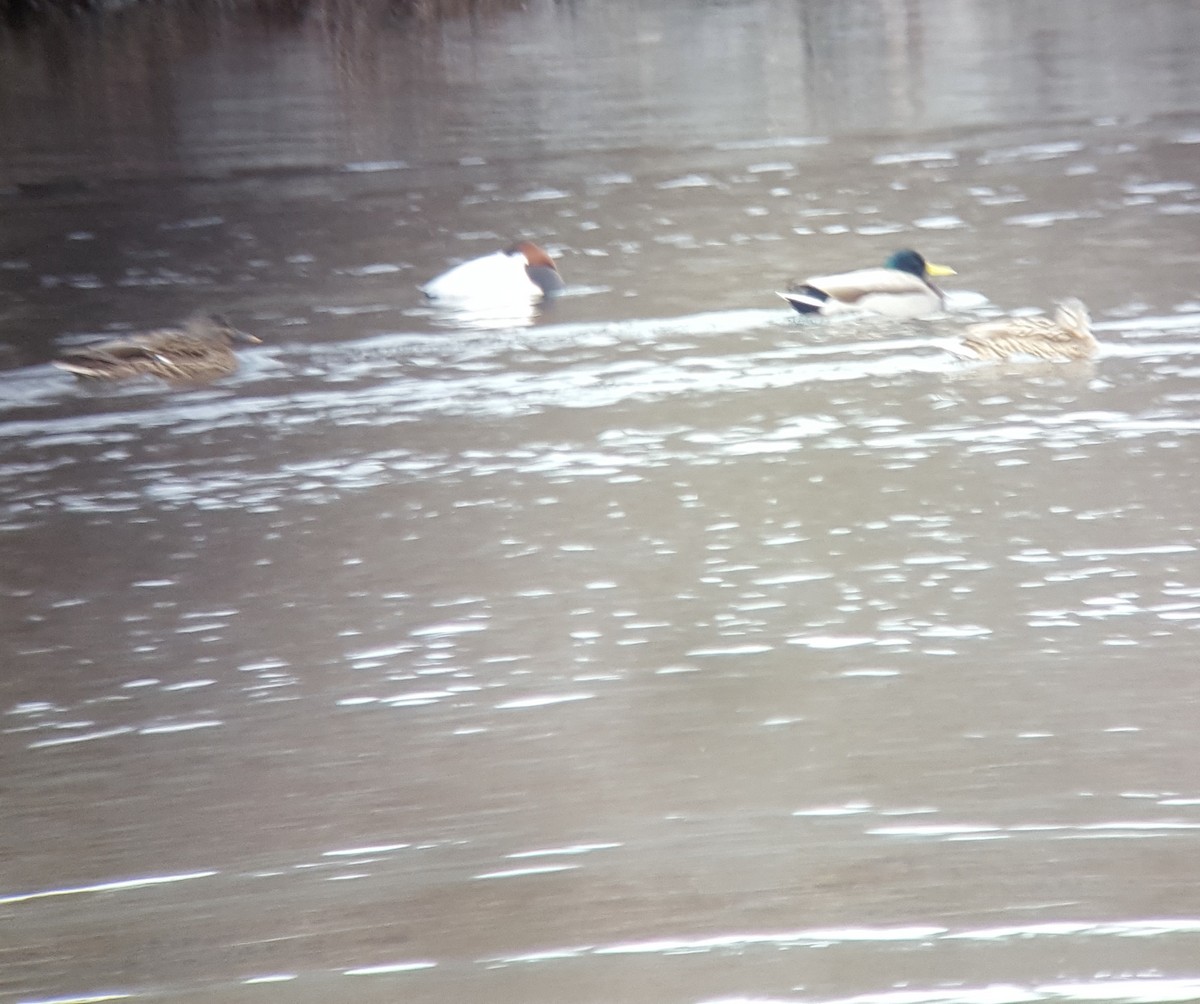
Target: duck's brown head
[
  {"x": 1073, "y": 316},
  {"x": 219, "y": 324},
  {"x": 539, "y": 266}
]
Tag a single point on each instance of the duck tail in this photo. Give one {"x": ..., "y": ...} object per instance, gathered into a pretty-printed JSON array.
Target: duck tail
[
  {"x": 806, "y": 299},
  {"x": 981, "y": 348},
  {"x": 79, "y": 367}
]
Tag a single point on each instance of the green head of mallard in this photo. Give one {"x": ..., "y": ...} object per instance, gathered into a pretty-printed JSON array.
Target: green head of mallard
[{"x": 914, "y": 263}]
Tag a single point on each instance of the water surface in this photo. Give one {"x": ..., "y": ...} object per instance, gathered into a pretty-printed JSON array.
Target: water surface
[{"x": 657, "y": 647}]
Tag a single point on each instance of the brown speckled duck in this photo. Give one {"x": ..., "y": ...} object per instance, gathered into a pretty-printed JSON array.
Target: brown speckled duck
[
  {"x": 200, "y": 350},
  {"x": 1064, "y": 337}
]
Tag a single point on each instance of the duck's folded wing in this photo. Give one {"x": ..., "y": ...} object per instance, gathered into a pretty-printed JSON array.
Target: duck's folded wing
[
  {"x": 1014, "y": 327},
  {"x": 117, "y": 351},
  {"x": 1014, "y": 336},
  {"x": 850, "y": 286},
  {"x": 159, "y": 346}
]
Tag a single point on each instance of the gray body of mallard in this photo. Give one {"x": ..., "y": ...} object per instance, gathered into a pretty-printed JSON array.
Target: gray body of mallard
[
  {"x": 901, "y": 287},
  {"x": 1065, "y": 336},
  {"x": 200, "y": 350}
]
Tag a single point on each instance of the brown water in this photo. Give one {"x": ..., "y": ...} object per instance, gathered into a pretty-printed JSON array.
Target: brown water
[{"x": 658, "y": 648}]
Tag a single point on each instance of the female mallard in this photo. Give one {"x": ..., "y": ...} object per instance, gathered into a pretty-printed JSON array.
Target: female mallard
[
  {"x": 522, "y": 271},
  {"x": 200, "y": 350},
  {"x": 1066, "y": 336},
  {"x": 901, "y": 288}
]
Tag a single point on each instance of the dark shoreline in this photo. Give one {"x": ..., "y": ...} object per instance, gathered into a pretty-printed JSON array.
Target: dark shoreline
[{"x": 18, "y": 14}]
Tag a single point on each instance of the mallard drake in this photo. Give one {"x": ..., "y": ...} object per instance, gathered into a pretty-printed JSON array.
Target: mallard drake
[
  {"x": 901, "y": 288},
  {"x": 1065, "y": 336},
  {"x": 201, "y": 349},
  {"x": 522, "y": 272}
]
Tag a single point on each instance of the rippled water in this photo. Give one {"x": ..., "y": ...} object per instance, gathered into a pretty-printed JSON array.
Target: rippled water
[{"x": 656, "y": 647}]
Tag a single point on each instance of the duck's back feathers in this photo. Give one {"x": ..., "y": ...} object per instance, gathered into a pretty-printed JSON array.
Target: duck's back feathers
[
  {"x": 495, "y": 276},
  {"x": 852, "y": 286},
  {"x": 1064, "y": 337}
]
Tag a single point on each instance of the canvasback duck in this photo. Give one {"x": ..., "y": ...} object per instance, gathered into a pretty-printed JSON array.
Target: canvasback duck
[
  {"x": 900, "y": 288},
  {"x": 522, "y": 271},
  {"x": 1066, "y": 336}
]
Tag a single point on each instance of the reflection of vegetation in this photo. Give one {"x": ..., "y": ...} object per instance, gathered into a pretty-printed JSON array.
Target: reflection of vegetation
[
  {"x": 130, "y": 81},
  {"x": 19, "y": 13}
]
